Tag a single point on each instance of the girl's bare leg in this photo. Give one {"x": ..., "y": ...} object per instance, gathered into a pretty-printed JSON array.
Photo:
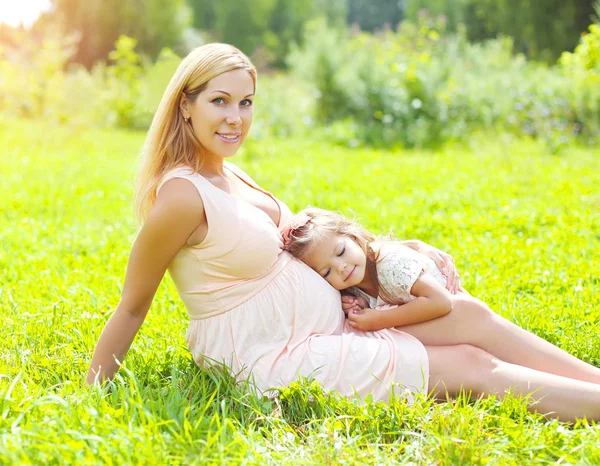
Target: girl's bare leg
[
  {"x": 464, "y": 366},
  {"x": 472, "y": 322}
]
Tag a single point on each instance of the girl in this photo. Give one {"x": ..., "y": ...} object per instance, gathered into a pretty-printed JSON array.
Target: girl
[{"x": 384, "y": 275}]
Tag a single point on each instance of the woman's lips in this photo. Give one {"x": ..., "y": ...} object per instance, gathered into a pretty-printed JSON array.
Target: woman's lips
[
  {"x": 229, "y": 138},
  {"x": 350, "y": 274}
]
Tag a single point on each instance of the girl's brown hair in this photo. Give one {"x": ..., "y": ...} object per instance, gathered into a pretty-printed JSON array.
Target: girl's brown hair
[{"x": 313, "y": 224}]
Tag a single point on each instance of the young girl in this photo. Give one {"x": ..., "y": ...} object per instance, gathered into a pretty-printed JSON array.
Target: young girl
[{"x": 394, "y": 285}]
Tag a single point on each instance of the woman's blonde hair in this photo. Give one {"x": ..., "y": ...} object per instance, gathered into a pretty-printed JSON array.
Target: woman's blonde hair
[
  {"x": 313, "y": 224},
  {"x": 171, "y": 141}
]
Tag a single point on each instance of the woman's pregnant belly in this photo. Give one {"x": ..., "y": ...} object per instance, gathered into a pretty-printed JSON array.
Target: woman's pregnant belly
[{"x": 294, "y": 306}]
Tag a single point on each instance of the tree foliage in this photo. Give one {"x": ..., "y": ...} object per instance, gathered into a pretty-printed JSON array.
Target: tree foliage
[
  {"x": 542, "y": 30},
  {"x": 267, "y": 29},
  {"x": 370, "y": 15},
  {"x": 98, "y": 23}
]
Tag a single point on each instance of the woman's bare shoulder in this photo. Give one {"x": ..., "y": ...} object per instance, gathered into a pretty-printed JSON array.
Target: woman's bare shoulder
[{"x": 179, "y": 197}]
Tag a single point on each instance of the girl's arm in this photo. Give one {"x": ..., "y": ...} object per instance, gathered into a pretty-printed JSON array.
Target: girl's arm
[
  {"x": 432, "y": 301},
  {"x": 177, "y": 212}
]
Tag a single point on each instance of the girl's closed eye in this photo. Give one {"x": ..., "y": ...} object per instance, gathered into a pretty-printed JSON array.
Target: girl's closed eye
[
  {"x": 342, "y": 251},
  {"x": 326, "y": 274}
]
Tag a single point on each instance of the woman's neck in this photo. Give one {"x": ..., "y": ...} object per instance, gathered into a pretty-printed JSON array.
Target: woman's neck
[{"x": 212, "y": 166}]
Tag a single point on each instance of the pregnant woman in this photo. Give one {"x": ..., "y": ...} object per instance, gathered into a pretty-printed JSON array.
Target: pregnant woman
[{"x": 264, "y": 313}]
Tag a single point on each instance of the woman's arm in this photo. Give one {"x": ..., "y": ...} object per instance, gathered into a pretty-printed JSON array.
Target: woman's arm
[
  {"x": 177, "y": 212},
  {"x": 432, "y": 301}
]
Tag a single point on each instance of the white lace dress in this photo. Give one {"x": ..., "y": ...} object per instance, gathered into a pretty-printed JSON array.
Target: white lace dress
[{"x": 398, "y": 269}]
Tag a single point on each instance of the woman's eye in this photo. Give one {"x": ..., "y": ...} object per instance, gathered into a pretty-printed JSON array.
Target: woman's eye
[
  {"x": 342, "y": 252},
  {"x": 219, "y": 100},
  {"x": 246, "y": 103}
]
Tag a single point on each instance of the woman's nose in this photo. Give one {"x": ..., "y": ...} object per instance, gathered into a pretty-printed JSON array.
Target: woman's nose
[{"x": 234, "y": 119}]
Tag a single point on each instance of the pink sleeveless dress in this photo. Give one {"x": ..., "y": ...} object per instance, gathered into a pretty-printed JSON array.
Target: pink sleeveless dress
[{"x": 267, "y": 315}]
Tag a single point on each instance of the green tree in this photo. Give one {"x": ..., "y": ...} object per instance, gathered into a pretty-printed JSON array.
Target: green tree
[
  {"x": 334, "y": 11},
  {"x": 542, "y": 30},
  {"x": 371, "y": 15},
  {"x": 242, "y": 23},
  {"x": 203, "y": 13},
  {"x": 155, "y": 24},
  {"x": 287, "y": 25},
  {"x": 456, "y": 12},
  {"x": 264, "y": 28}
]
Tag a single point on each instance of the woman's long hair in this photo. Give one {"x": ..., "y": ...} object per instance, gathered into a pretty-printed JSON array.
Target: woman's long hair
[{"x": 171, "y": 141}]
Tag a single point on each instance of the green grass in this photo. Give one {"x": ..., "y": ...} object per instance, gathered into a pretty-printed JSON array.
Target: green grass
[{"x": 522, "y": 225}]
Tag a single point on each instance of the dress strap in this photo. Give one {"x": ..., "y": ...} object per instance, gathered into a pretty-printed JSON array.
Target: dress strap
[
  {"x": 250, "y": 182},
  {"x": 242, "y": 175}
]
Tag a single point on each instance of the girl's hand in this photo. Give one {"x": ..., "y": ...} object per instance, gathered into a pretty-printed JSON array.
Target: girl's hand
[
  {"x": 365, "y": 319},
  {"x": 443, "y": 261},
  {"x": 353, "y": 303}
]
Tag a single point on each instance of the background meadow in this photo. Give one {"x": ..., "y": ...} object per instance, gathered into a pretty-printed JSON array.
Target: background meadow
[
  {"x": 472, "y": 125},
  {"x": 521, "y": 223}
]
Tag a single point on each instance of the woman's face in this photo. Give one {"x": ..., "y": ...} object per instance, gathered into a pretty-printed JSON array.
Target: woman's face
[{"x": 221, "y": 115}]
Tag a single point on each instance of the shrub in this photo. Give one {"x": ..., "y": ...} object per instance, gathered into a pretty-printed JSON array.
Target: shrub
[
  {"x": 421, "y": 87},
  {"x": 415, "y": 87},
  {"x": 36, "y": 82},
  {"x": 284, "y": 106},
  {"x": 582, "y": 69}
]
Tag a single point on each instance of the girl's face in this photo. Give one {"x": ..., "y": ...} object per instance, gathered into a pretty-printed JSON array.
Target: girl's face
[
  {"x": 339, "y": 260},
  {"x": 221, "y": 115}
]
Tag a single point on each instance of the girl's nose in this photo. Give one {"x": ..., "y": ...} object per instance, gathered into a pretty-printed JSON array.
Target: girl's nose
[{"x": 342, "y": 267}]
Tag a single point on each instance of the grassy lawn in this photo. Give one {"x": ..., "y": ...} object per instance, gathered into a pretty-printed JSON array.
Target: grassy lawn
[{"x": 523, "y": 226}]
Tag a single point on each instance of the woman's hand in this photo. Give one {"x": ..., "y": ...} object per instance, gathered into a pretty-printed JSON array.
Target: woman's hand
[
  {"x": 366, "y": 320},
  {"x": 356, "y": 303},
  {"x": 442, "y": 260}
]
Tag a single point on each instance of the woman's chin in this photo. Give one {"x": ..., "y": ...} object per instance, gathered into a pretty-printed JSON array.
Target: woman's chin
[
  {"x": 224, "y": 154},
  {"x": 229, "y": 152}
]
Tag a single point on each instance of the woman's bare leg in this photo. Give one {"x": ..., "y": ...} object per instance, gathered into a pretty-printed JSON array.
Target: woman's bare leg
[
  {"x": 464, "y": 366},
  {"x": 472, "y": 322}
]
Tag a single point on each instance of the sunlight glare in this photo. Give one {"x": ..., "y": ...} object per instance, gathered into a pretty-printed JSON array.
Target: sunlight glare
[{"x": 15, "y": 13}]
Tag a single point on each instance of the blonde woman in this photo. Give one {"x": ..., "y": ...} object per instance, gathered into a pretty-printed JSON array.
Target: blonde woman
[{"x": 259, "y": 310}]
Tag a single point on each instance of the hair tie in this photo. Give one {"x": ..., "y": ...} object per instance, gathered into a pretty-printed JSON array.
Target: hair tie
[{"x": 297, "y": 221}]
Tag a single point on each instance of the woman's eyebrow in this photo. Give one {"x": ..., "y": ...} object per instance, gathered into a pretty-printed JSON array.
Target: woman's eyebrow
[{"x": 227, "y": 93}]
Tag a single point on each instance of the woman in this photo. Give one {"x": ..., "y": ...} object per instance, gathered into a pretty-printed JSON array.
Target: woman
[{"x": 258, "y": 309}]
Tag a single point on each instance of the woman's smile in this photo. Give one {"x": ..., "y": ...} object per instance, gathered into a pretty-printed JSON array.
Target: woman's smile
[{"x": 229, "y": 138}]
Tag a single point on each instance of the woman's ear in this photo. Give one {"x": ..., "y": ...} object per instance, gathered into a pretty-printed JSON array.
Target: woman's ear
[{"x": 183, "y": 106}]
